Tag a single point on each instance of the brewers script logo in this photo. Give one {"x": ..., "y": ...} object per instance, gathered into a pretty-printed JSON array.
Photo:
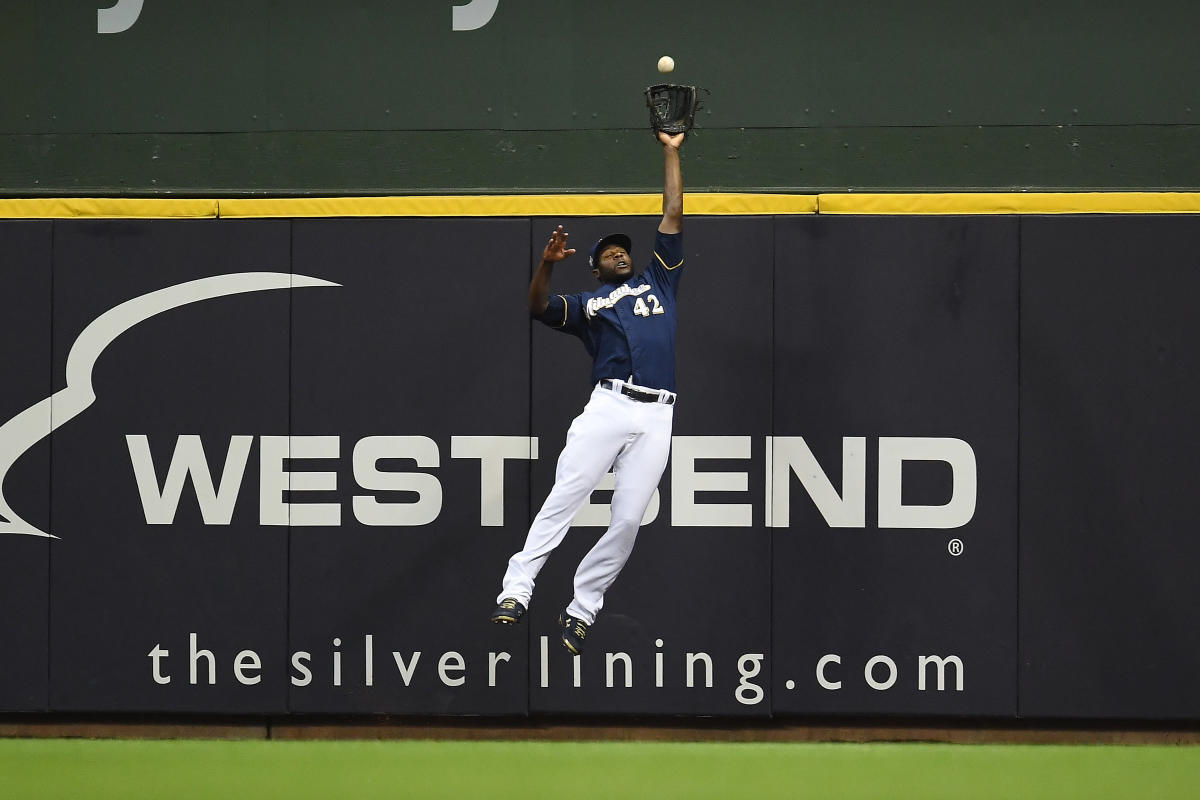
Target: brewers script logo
[{"x": 30, "y": 426}]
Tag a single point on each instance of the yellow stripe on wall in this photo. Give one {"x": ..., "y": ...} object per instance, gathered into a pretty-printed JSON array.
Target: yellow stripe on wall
[
  {"x": 599, "y": 205},
  {"x": 532, "y": 205},
  {"x": 106, "y": 208},
  {"x": 1012, "y": 203}
]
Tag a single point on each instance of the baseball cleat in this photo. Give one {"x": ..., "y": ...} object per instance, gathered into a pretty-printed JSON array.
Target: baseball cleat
[
  {"x": 509, "y": 612},
  {"x": 573, "y": 632}
]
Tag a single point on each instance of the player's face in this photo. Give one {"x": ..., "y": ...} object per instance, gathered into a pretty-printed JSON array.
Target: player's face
[{"x": 614, "y": 264}]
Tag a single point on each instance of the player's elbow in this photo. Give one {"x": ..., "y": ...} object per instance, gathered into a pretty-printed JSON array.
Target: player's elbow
[{"x": 673, "y": 213}]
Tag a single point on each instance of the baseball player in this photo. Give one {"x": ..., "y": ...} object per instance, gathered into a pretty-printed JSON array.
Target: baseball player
[{"x": 627, "y": 326}]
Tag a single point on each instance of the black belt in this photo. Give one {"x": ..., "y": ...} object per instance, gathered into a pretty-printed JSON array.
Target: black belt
[{"x": 640, "y": 395}]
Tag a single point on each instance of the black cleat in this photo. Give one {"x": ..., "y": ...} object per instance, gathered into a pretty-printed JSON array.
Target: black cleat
[
  {"x": 509, "y": 612},
  {"x": 573, "y": 632}
]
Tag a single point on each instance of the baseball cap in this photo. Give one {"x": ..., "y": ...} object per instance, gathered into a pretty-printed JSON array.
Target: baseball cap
[{"x": 613, "y": 238}]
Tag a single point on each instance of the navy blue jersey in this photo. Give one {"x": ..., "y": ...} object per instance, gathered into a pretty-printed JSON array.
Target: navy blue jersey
[{"x": 628, "y": 328}]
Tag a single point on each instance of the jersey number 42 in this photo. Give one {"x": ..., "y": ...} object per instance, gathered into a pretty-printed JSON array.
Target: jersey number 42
[{"x": 648, "y": 307}]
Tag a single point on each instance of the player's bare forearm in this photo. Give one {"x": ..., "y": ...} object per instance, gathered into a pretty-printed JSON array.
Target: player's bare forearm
[
  {"x": 539, "y": 287},
  {"x": 672, "y": 221}
]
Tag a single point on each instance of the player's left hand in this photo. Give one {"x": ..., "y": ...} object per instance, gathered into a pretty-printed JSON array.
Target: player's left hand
[
  {"x": 556, "y": 248},
  {"x": 671, "y": 141}
]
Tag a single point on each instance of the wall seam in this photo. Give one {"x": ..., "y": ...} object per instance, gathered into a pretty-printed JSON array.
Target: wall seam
[{"x": 1017, "y": 571}]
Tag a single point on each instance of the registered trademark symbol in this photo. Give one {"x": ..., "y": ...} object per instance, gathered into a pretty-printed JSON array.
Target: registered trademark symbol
[{"x": 955, "y": 547}]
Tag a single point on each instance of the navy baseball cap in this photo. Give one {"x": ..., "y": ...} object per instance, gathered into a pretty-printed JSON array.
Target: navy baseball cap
[{"x": 613, "y": 238}]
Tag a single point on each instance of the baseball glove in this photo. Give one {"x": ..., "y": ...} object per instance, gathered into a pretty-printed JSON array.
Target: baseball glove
[{"x": 672, "y": 107}]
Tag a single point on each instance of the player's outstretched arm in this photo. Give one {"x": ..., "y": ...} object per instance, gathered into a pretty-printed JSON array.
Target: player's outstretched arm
[
  {"x": 672, "y": 221},
  {"x": 539, "y": 288}
]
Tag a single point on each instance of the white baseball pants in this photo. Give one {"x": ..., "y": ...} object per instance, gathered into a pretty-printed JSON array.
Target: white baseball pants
[{"x": 632, "y": 438}]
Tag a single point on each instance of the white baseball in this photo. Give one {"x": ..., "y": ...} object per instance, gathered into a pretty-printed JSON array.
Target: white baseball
[{"x": 666, "y": 64}]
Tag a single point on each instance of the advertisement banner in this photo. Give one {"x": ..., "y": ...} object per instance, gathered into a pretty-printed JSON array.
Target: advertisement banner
[
  {"x": 929, "y": 465},
  {"x": 893, "y": 466}
]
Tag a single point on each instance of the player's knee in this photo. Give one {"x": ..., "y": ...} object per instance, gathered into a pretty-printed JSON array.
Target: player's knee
[
  {"x": 628, "y": 515},
  {"x": 622, "y": 522}
]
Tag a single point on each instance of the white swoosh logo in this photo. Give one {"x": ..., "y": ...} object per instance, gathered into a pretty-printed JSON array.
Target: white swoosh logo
[{"x": 30, "y": 426}]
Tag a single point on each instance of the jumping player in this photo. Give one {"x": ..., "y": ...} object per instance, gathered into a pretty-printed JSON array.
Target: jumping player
[{"x": 628, "y": 328}]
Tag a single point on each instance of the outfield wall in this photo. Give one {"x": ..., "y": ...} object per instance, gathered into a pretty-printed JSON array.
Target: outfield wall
[
  {"x": 924, "y": 465},
  {"x": 226, "y": 98}
]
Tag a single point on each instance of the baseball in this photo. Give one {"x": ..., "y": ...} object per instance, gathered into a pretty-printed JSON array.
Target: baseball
[{"x": 666, "y": 64}]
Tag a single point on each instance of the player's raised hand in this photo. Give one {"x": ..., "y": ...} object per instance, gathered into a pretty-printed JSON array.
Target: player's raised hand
[{"x": 556, "y": 248}]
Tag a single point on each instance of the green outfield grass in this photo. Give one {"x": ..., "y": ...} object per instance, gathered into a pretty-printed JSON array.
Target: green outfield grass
[{"x": 351, "y": 770}]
